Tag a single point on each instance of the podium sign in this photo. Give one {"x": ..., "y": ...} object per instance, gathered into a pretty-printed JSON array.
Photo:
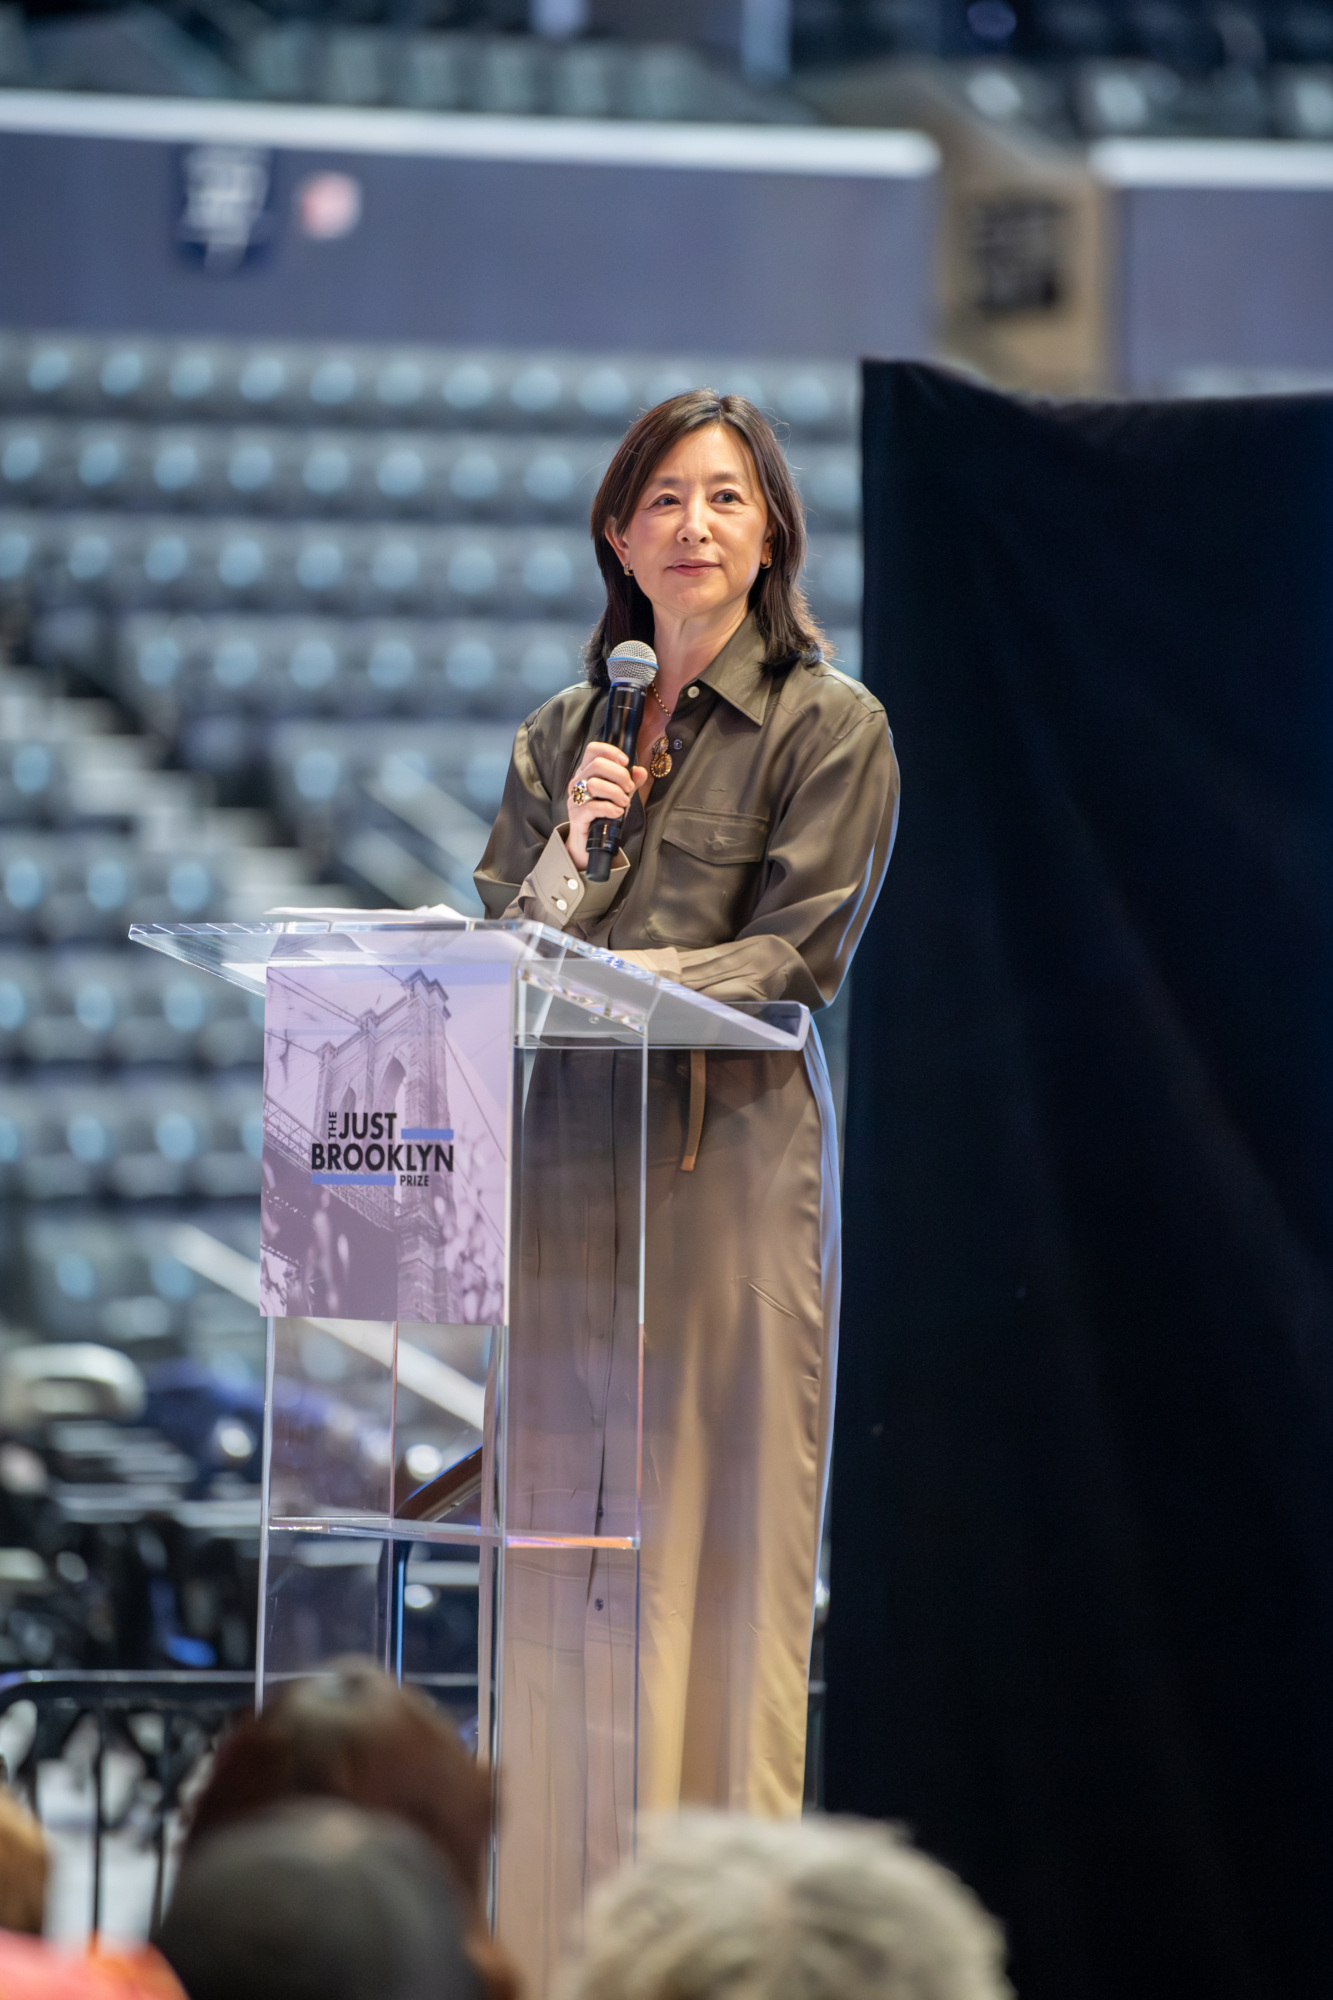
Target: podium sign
[
  {"x": 386, "y": 1142},
  {"x": 456, "y": 1146}
]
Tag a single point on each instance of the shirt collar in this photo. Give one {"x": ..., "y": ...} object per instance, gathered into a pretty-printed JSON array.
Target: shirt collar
[{"x": 737, "y": 672}]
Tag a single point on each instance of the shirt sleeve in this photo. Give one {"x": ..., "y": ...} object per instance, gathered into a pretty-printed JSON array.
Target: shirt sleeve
[
  {"x": 526, "y": 870},
  {"x": 827, "y": 855}
]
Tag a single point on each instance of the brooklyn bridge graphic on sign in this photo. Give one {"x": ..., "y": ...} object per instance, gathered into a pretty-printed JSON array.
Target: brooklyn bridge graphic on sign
[{"x": 385, "y": 1140}]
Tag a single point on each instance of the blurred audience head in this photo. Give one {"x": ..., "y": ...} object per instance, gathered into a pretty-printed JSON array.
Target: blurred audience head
[
  {"x": 318, "y": 1901},
  {"x": 351, "y": 1732},
  {"x": 727, "y": 1908},
  {"x": 23, "y": 1867}
]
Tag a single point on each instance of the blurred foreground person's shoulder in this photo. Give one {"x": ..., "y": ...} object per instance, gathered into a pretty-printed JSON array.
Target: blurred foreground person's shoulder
[
  {"x": 813, "y": 1909},
  {"x": 32, "y": 1970},
  {"x": 318, "y": 1901},
  {"x": 23, "y": 1866}
]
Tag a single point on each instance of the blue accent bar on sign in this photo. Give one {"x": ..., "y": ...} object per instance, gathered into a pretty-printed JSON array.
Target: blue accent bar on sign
[
  {"x": 355, "y": 1180},
  {"x": 428, "y": 1132}
]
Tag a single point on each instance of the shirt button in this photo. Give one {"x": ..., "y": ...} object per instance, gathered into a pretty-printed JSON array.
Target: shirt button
[
  {"x": 560, "y": 903},
  {"x": 679, "y": 743},
  {"x": 692, "y": 693},
  {"x": 571, "y": 885}
]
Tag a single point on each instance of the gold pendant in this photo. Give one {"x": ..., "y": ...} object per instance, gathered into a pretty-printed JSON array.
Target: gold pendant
[{"x": 659, "y": 762}]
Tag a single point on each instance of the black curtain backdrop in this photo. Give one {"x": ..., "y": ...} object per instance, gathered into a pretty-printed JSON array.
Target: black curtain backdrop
[{"x": 1081, "y": 1636}]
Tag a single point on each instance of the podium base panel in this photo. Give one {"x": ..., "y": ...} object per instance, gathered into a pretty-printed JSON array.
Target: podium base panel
[{"x": 566, "y": 1744}]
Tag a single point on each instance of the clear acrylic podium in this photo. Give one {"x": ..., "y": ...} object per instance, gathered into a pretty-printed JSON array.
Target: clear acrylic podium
[{"x": 488, "y": 1428}]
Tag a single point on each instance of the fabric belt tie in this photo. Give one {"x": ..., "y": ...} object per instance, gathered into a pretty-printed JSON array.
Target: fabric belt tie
[{"x": 695, "y": 1125}]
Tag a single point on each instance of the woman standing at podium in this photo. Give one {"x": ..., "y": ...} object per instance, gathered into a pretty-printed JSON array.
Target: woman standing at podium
[{"x": 758, "y": 817}]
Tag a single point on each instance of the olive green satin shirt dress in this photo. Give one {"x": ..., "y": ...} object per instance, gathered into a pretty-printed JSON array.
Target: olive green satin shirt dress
[{"x": 750, "y": 873}]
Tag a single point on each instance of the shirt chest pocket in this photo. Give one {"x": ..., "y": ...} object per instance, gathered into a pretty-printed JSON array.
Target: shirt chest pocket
[{"x": 707, "y": 866}]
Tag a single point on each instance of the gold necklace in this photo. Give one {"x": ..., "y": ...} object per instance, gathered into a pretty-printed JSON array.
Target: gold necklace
[{"x": 659, "y": 757}]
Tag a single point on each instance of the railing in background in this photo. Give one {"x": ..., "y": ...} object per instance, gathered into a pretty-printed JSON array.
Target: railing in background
[{"x": 169, "y": 1721}]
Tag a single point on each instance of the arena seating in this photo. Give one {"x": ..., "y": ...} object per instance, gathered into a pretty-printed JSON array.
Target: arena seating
[
  {"x": 509, "y": 74},
  {"x": 1081, "y": 69},
  {"x": 402, "y": 61},
  {"x": 434, "y": 389},
  {"x": 1089, "y": 69},
  {"x": 269, "y": 617}
]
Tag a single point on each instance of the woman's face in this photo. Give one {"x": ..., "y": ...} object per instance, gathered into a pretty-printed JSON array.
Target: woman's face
[{"x": 697, "y": 538}]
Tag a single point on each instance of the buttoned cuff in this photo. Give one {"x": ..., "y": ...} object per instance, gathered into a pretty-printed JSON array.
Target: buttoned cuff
[{"x": 555, "y": 892}]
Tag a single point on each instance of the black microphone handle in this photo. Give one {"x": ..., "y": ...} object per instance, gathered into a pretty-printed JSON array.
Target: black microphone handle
[{"x": 624, "y": 713}]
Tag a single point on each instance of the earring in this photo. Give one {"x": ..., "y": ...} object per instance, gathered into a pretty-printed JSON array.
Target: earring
[
  {"x": 628, "y": 570},
  {"x": 767, "y": 563}
]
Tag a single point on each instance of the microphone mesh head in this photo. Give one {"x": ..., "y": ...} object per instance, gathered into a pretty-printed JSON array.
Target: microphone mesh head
[{"x": 632, "y": 664}]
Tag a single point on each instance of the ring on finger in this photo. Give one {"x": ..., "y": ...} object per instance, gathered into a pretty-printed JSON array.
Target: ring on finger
[{"x": 579, "y": 794}]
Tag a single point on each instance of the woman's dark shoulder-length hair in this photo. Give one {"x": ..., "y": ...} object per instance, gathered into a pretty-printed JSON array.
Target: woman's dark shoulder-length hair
[{"x": 791, "y": 636}]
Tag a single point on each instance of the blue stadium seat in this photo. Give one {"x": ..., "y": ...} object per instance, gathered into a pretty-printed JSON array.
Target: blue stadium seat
[
  {"x": 23, "y": 551},
  {"x": 335, "y": 471},
  {"x": 86, "y": 999},
  {"x": 157, "y": 664},
  {"x": 246, "y": 562},
  {"x": 101, "y": 465},
  {"x": 261, "y": 470},
  {"x": 199, "y": 379},
  {"x": 26, "y": 883},
  {"x": 129, "y": 372},
  {"x": 230, "y": 1165},
  {"x": 185, "y": 1016},
  {"x": 55, "y": 372},
  {"x": 161, "y": 1134},
  {"x": 434, "y": 73},
  {"x": 547, "y": 659},
  {"x": 22, "y": 998},
  {"x": 78, "y": 1263},
  {"x": 32, "y": 782},
  {"x": 32, "y": 455},
  {"x": 56, "y": 1145},
  {"x": 355, "y": 66},
  {"x": 339, "y": 384},
  {"x": 268, "y": 383}
]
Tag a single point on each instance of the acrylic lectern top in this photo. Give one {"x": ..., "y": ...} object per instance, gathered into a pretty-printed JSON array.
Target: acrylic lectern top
[{"x": 584, "y": 994}]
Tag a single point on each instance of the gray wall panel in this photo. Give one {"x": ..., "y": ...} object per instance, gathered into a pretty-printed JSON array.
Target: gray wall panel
[
  {"x": 465, "y": 249},
  {"x": 1237, "y": 278},
  {"x": 1223, "y": 259}
]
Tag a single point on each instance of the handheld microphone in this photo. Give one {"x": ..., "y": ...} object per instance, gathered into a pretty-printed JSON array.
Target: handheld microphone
[{"x": 632, "y": 668}]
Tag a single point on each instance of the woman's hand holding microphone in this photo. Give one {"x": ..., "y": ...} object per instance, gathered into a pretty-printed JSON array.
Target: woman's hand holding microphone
[{"x": 601, "y": 788}]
